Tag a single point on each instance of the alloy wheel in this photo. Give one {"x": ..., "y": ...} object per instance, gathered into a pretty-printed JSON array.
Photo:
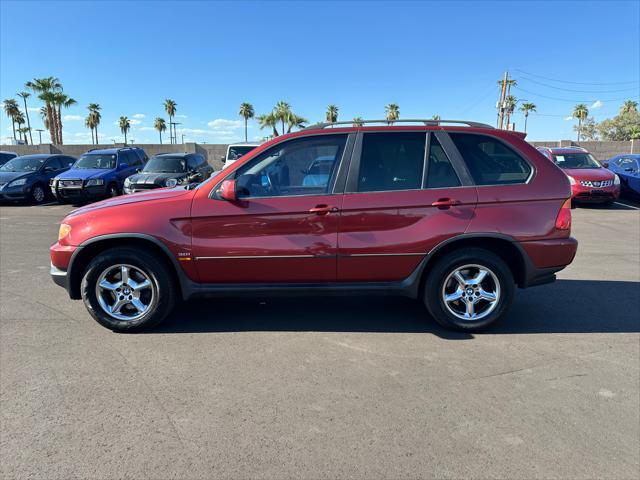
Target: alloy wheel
[
  {"x": 471, "y": 292},
  {"x": 38, "y": 194},
  {"x": 125, "y": 292}
]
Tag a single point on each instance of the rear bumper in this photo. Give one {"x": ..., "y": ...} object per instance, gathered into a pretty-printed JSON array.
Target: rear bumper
[{"x": 544, "y": 258}]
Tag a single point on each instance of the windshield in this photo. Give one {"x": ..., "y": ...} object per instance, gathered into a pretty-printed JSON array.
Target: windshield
[
  {"x": 236, "y": 152},
  {"x": 165, "y": 165},
  {"x": 96, "y": 160},
  {"x": 576, "y": 160},
  {"x": 23, "y": 164}
]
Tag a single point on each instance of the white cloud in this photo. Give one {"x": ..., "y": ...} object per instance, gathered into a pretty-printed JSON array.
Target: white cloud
[
  {"x": 139, "y": 115},
  {"x": 222, "y": 123},
  {"x": 180, "y": 116},
  {"x": 145, "y": 129},
  {"x": 71, "y": 118},
  {"x": 569, "y": 117},
  {"x": 34, "y": 109},
  {"x": 133, "y": 121},
  {"x": 596, "y": 104}
]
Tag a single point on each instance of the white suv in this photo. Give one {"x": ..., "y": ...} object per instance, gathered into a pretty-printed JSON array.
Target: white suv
[{"x": 235, "y": 151}]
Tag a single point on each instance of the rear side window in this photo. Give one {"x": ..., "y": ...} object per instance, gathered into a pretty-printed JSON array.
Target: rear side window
[
  {"x": 391, "y": 161},
  {"x": 440, "y": 172},
  {"x": 490, "y": 161}
]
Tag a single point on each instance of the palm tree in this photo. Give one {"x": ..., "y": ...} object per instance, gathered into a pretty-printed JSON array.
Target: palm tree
[
  {"x": 61, "y": 100},
  {"x": 46, "y": 87},
  {"x": 358, "y": 122},
  {"x": 124, "y": 125},
  {"x": 170, "y": 107},
  {"x": 24, "y": 131},
  {"x": 269, "y": 120},
  {"x": 294, "y": 120},
  {"x": 282, "y": 112},
  {"x": 246, "y": 112},
  {"x": 24, "y": 95},
  {"x": 629, "y": 106},
  {"x": 20, "y": 120},
  {"x": 11, "y": 108},
  {"x": 45, "y": 119},
  {"x": 436, "y": 118},
  {"x": 94, "y": 113},
  {"x": 332, "y": 114},
  {"x": 510, "y": 83},
  {"x": 526, "y": 108},
  {"x": 581, "y": 112},
  {"x": 510, "y": 103},
  {"x": 88, "y": 122},
  {"x": 392, "y": 112},
  {"x": 160, "y": 125}
]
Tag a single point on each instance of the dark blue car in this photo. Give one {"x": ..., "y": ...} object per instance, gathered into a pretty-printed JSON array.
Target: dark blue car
[
  {"x": 27, "y": 177},
  {"x": 98, "y": 174},
  {"x": 627, "y": 167}
]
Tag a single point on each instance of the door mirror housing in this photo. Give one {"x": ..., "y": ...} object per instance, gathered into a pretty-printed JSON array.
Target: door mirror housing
[
  {"x": 123, "y": 166},
  {"x": 605, "y": 164},
  {"x": 228, "y": 191}
]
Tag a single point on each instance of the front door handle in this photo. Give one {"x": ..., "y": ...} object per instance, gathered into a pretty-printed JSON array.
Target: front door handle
[
  {"x": 323, "y": 209},
  {"x": 444, "y": 203}
]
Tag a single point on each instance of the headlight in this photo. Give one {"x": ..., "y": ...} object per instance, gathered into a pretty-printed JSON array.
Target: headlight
[
  {"x": 171, "y": 182},
  {"x": 65, "y": 229},
  {"x": 572, "y": 180},
  {"x": 127, "y": 182},
  {"x": 17, "y": 183},
  {"x": 94, "y": 182},
  {"x": 616, "y": 179}
]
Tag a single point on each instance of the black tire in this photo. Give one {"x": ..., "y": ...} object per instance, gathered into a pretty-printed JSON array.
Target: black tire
[
  {"x": 435, "y": 283},
  {"x": 156, "y": 271},
  {"x": 38, "y": 194},
  {"x": 113, "y": 190}
]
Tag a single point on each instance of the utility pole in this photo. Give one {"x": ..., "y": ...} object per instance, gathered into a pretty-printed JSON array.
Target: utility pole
[{"x": 503, "y": 95}]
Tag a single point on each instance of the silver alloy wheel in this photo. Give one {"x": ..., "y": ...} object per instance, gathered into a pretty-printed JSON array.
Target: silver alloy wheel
[
  {"x": 125, "y": 292},
  {"x": 38, "y": 194},
  {"x": 471, "y": 292}
]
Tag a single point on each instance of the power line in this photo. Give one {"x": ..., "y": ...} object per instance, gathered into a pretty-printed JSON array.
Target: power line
[
  {"x": 572, "y": 100},
  {"x": 575, "y": 83},
  {"x": 579, "y": 91}
]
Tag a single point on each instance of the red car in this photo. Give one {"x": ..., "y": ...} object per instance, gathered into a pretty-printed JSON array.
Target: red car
[
  {"x": 456, "y": 214},
  {"x": 590, "y": 181}
]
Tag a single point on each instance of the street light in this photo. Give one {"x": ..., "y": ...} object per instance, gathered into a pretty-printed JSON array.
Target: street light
[
  {"x": 40, "y": 130},
  {"x": 175, "y": 137},
  {"x": 183, "y": 138}
]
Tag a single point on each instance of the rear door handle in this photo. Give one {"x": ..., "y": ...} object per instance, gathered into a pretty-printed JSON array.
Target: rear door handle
[
  {"x": 444, "y": 203},
  {"x": 323, "y": 209}
]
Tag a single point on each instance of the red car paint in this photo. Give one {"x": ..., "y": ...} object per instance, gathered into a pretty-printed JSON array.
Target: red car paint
[{"x": 345, "y": 237}]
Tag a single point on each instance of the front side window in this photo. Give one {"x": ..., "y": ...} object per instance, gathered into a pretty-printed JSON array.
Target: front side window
[
  {"x": 575, "y": 160},
  {"x": 302, "y": 166},
  {"x": 490, "y": 161},
  {"x": 440, "y": 172},
  {"x": 54, "y": 164},
  {"x": 391, "y": 161},
  {"x": 96, "y": 160},
  {"x": 165, "y": 165}
]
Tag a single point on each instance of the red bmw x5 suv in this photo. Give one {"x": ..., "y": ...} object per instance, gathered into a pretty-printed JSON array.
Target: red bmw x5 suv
[{"x": 456, "y": 214}]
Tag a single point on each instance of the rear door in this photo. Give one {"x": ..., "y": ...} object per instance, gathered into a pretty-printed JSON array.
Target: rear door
[{"x": 404, "y": 195}]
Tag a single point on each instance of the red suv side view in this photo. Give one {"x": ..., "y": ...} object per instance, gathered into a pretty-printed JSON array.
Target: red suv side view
[{"x": 456, "y": 214}]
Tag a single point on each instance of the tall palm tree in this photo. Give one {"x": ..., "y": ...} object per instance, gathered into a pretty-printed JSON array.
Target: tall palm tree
[
  {"x": 246, "y": 112},
  {"x": 510, "y": 83},
  {"x": 124, "y": 125},
  {"x": 629, "y": 106},
  {"x": 23, "y": 133},
  {"x": 11, "y": 108},
  {"x": 282, "y": 112},
  {"x": 332, "y": 114},
  {"x": 24, "y": 95},
  {"x": 581, "y": 112},
  {"x": 96, "y": 116},
  {"x": 88, "y": 122},
  {"x": 160, "y": 125},
  {"x": 294, "y": 120},
  {"x": 392, "y": 112},
  {"x": 20, "y": 120},
  {"x": 45, "y": 118},
  {"x": 46, "y": 87},
  {"x": 526, "y": 108},
  {"x": 269, "y": 120},
  {"x": 170, "y": 107},
  {"x": 357, "y": 122},
  {"x": 510, "y": 103},
  {"x": 61, "y": 100}
]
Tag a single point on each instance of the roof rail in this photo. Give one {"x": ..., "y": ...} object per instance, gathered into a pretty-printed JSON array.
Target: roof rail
[{"x": 428, "y": 122}]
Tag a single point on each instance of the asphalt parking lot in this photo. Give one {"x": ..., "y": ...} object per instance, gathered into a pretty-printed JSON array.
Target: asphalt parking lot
[{"x": 314, "y": 388}]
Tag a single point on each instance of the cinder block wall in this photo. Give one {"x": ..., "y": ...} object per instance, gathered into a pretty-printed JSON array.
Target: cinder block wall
[{"x": 600, "y": 150}]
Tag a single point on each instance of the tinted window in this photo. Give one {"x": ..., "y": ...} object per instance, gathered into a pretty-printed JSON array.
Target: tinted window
[
  {"x": 193, "y": 162},
  {"x": 490, "y": 161},
  {"x": 292, "y": 168},
  {"x": 391, "y": 161},
  {"x": 165, "y": 165},
  {"x": 132, "y": 159},
  {"x": 66, "y": 162},
  {"x": 54, "y": 163},
  {"x": 440, "y": 172}
]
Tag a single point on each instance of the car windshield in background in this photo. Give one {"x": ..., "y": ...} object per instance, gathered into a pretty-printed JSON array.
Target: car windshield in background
[
  {"x": 165, "y": 165},
  {"x": 96, "y": 160},
  {"x": 23, "y": 164},
  {"x": 576, "y": 160},
  {"x": 236, "y": 152}
]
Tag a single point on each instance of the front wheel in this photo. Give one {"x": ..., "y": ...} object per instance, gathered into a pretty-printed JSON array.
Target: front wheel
[
  {"x": 38, "y": 195},
  {"x": 113, "y": 190},
  {"x": 127, "y": 290},
  {"x": 469, "y": 290}
]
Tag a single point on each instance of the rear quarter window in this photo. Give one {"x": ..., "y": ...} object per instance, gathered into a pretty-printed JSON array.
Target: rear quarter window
[{"x": 490, "y": 161}]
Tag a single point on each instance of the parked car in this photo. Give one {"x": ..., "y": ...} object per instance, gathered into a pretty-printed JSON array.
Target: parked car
[
  {"x": 235, "y": 151},
  {"x": 98, "y": 174},
  {"x": 627, "y": 167},
  {"x": 6, "y": 156},
  {"x": 169, "y": 170},
  {"x": 456, "y": 215},
  {"x": 590, "y": 181},
  {"x": 27, "y": 177}
]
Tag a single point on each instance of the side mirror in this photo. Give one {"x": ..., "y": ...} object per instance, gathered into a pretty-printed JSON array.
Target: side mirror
[
  {"x": 605, "y": 164},
  {"x": 123, "y": 166},
  {"x": 228, "y": 190},
  {"x": 49, "y": 169}
]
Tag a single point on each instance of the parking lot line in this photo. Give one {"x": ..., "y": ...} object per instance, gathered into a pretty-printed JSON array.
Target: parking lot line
[{"x": 626, "y": 205}]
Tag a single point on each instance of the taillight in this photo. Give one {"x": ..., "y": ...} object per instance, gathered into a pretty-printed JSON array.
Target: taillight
[{"x": 563, "y": 220}]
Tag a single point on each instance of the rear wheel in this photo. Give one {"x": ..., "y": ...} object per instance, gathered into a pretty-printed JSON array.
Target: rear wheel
[
  {"x": 469, "y": 290},
  {"x": 127, "y": 290}
]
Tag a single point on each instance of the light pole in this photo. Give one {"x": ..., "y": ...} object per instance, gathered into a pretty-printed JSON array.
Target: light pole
[
  {"x": 40, "y": 130},
  {"x": 175, "y": 137},
  {"x": 183, "y": 138}
]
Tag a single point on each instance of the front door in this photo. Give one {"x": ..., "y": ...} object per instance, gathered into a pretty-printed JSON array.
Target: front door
[
  {"x": 399, "y": 204},
  {"x": 284, "y": 225}
]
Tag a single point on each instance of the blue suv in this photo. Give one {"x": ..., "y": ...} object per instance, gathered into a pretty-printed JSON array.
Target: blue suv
[{"x": 98, "y": 174}]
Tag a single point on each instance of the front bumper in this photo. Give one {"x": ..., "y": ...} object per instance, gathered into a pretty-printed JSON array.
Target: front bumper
[
  {"x": 136, "y": 188},
  {"x": 581, "y": 193},
  {"x": 14, "y": 193},
  {"x": 59, "y": 277},
  {"x": 79, "y": 194},
  {"x": 61, "y": 256}
]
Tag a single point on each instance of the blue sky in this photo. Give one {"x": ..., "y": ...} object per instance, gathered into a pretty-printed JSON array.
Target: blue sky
[{"x": 428, "y": 57}]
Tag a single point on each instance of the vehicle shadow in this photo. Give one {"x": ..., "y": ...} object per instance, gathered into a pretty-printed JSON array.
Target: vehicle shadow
[{"x": 567, "y": 306}]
